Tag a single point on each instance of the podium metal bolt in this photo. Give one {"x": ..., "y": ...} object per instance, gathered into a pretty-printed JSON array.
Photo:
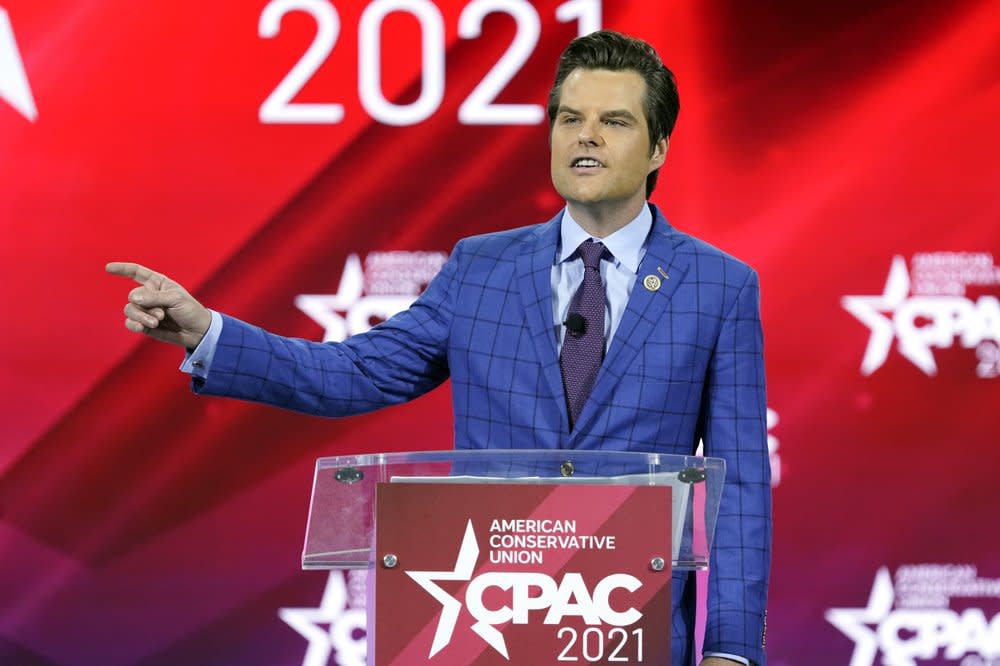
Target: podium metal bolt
[
  {"x": 691, "y": 475},
  {"x": 567, "y": 468},
  {"x": 390, "y": 561},
  {"x": 349, "y": 475},
  {"x": 657, "y": 564}
]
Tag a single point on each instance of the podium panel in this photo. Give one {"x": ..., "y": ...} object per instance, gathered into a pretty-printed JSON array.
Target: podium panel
[{"x": 474, "y": 573}]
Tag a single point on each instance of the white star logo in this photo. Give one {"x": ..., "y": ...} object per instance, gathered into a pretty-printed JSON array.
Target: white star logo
[
  {"x": 853, "y": 622},
  {"x": 347, "y": 312},
  {"x": 14, "y": 87},
  {"x": 339, "y": 635},
  {"x": 869, "y": 311},
  {"x": 325, "y": 309},
  {"x": 465, "y": 564}
]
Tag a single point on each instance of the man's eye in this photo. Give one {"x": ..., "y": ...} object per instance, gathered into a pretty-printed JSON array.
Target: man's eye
[
  {"x": 615, "y": 123},
  {"x": 570, "y": 120}
]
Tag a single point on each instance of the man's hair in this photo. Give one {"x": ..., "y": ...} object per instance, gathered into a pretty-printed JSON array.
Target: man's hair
[{"x": 616, "y": 52}]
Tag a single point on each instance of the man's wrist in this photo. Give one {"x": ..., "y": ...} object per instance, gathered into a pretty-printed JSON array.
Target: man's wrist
[
  {"x": 198, "y": 360},
  {"x": 199, "y": 330}
]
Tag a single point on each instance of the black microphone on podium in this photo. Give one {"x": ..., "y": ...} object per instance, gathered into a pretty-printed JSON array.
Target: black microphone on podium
[{"x": 576, "y": 324}]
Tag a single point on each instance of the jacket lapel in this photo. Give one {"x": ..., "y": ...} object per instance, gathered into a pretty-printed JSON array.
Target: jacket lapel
[
  {"x": 642, "y": 315},
  {"x": 534, "y": 281}
]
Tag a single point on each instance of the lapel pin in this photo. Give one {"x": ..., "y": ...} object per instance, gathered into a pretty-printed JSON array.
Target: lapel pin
[
  {"x": 659, "y": 269},
  {"x": 651, "y": 282}
]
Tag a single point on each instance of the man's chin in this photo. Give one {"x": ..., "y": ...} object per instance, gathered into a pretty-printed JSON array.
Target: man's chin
[{"x": 584, "y": 197}]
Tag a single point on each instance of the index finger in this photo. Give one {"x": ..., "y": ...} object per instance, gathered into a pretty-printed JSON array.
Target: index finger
[{"x": 137, "y": 272}]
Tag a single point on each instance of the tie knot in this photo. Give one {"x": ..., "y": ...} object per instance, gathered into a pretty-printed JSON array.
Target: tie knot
[{"x": 591, "y": 253}]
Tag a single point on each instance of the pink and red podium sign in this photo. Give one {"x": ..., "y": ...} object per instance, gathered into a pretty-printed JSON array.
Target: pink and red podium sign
[{"x": 471, "y": 573}]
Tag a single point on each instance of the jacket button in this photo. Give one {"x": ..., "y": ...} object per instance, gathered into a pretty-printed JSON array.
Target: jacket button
[{"x": 567, "y": 469}]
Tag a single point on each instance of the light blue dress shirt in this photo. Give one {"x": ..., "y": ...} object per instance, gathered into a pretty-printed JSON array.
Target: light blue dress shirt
[{"x": 627, "y": 247}]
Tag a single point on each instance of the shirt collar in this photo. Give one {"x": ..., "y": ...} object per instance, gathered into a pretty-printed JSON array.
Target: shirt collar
[{"x": 626, "y": 244}]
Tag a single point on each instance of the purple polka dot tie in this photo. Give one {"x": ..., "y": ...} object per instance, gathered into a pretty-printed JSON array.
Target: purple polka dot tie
[{"x": 583, "y": 350}]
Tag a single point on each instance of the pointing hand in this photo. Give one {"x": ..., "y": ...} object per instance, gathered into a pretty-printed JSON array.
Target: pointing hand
[{"x": 161, "y": 308}]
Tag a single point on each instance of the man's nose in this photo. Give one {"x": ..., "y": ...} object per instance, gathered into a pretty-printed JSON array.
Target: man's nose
[{"x": 589, "y": 132}]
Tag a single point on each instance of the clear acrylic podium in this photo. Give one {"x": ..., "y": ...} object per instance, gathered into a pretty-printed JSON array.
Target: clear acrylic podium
[{"x": 342, "y": 512}]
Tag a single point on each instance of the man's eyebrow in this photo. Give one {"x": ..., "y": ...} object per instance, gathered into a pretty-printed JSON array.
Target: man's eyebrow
[
  {"x": 614, "y": 113},
  {"x": 619, "y": 113}
]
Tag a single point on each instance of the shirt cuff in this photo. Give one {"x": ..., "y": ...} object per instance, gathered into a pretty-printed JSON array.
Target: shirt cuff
[
  {"x": 198, "y": 361},
  {"x": 733, "y": 657}
]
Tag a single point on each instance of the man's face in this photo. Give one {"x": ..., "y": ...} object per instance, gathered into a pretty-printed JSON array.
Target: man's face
[{"x": 600, "y": 142}]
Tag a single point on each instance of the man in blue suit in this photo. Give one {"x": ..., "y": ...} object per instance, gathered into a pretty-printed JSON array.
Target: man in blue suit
[{"x": 604, "y": 328}]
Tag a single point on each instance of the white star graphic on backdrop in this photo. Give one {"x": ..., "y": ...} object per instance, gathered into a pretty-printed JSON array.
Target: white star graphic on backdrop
[
  {"x": 869, "y": 310},
  {"x": 326, "y": 309},
  {"x": 347, "y": 312},
  {"x": 322, "y": 641},
  {"x": 14, "y": 87},
  {"x": 772, "y": 447},
  {"x": 854, "y": 621},
  {"x": 450, "y": 606}
]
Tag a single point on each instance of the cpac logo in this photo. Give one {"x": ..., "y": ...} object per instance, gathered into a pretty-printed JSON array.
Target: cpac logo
[
  {"x": 14, "y": 88},
  {"x": 387, "y": 284},
  {"x": 907, "y": 634},
  {"x": 337, "y": 625},
  {"x": 923, "y": 321},
  {"x": 569, "y": 597}
]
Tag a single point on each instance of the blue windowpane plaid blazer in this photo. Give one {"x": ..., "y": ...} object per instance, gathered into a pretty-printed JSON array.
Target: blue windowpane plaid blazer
[{"x": 686, "y": 363}]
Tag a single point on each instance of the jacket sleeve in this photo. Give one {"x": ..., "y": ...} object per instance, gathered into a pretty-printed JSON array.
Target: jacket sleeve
[
  {"x": 735, "y": 429},
  {"x": 398, "y": 360}
]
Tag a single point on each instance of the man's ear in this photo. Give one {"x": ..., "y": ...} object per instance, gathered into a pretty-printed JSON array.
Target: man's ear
[{"x": 659, "y": 153}]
